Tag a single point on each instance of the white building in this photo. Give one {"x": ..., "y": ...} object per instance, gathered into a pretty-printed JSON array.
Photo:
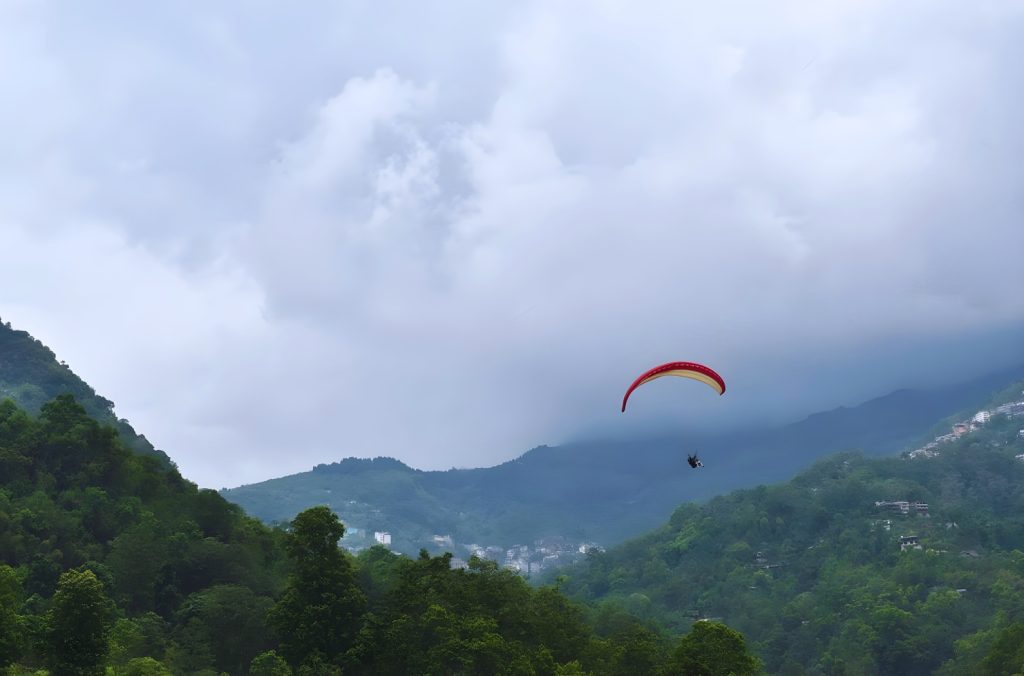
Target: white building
[
  {"x": 383, "y": 537},
  {"x": 1014, "y": 408},
  {"x": 518, "y": 565},
  {"x": 903, "y": 506}
]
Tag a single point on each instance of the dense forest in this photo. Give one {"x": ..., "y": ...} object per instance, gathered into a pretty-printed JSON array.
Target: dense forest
[
  {"x": 112, "y": 563},
  {"x": 822, "y": 580},
  {"x": 110, "y": 560}
]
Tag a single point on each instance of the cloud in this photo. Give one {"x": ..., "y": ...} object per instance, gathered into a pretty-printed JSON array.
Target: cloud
[{"x": 450, "y": 233}]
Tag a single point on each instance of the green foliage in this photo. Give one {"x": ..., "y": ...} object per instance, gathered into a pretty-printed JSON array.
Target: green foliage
[
  {"x": 269, "y": 664},
  {"x": 11, "y": 630},
  {"x": 320, "y": 611},
  {"x": 198, "y": 585},
  {"x": 184, "y": 567},
  {"x": 1006, "y": 656},
  {"x": 143, "y": 666},
  {"x": 812, "y": 572},
  {"x": 713, "y": 649},
  {"x": 136, "y": 637},
  {"x": 434, "y": 619},
  {"x": 31, "y": 375},
  {"x": 224, "y": 626},
  {"x": 79, "y": 624},
  {"x": 109, "y": 560}
]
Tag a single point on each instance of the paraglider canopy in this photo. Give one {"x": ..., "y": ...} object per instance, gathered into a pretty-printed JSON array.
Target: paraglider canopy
[{"x": 683, "y": 369}]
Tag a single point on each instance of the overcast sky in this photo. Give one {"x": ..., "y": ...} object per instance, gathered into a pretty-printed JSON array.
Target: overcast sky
[{"x": 280, "y": 234}]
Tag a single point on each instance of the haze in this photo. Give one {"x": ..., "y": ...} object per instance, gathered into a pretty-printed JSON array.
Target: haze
[{"x": 278, "y": 235}]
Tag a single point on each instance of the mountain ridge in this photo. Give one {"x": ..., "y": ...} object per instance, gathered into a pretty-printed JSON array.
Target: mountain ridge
[
  {"x": 590, "y": 491},
  {"x": 582, "y": 489},
  {"x": 858, "y": 564},
  {"x": 31, "y": 375}
]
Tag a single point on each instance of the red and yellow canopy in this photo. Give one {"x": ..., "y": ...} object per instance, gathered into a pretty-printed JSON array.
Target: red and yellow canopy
[{"x": 683, "y": 369}]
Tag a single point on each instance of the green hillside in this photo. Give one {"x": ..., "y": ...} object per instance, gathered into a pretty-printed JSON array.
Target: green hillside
[
  {"x": 31, "y": 375},
  {"x": 75, "y": 499},
  {"x": 151, "y": 575},
  {"x": 112, "y": 563},
  {"x": 596, "y": 491},
  {"x": 823, "y": 580}
]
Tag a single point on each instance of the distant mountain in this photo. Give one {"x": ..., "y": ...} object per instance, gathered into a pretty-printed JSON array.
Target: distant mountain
[
  {"x": 31, "y": 375},
  {"x": 857, "y": 565},
  {"x": 597, "y": 491}
]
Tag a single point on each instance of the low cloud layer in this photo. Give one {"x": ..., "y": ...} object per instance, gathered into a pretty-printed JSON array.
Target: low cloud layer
[{"x": 279, "y": 236}]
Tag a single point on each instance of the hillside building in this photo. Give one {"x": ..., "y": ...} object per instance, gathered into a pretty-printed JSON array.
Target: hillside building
[
  {"x": 910, "y": 542},
  {"x": 903, "y": 506}
]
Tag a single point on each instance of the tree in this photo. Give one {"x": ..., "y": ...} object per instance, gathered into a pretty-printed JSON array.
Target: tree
[
  {"x": 144, "y": 666},
  {"x": 713, "y": 649},
  {"x": 560, "y": 623},
  {"x": 11, "y": 631},
  {"x": 321, "y": 609},
  {"x": 141, "y": 636},
  {"x": 225, "y": 622},
  {"x": 1006, "y": 656},
  {"x": 136, "y": 558},
  {"x": 269, "y": 664},
  {"x": 79, "y": 624},
  {"x": 637, "y": 651},
  {"x": 315, "y": 665}
]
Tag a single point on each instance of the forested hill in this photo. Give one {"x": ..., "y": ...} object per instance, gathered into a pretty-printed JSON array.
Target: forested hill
[
  {"x": 596, "y": 491},
  {"x": 31, "y": 375},
  {"x": 858, "y": 565},
  {"x": 153, "y": 552},
  {"x": 111, "y": 563}
]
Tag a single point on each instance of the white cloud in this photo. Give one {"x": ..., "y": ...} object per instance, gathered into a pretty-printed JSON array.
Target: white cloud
[{"x": 449, "y": 233}]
